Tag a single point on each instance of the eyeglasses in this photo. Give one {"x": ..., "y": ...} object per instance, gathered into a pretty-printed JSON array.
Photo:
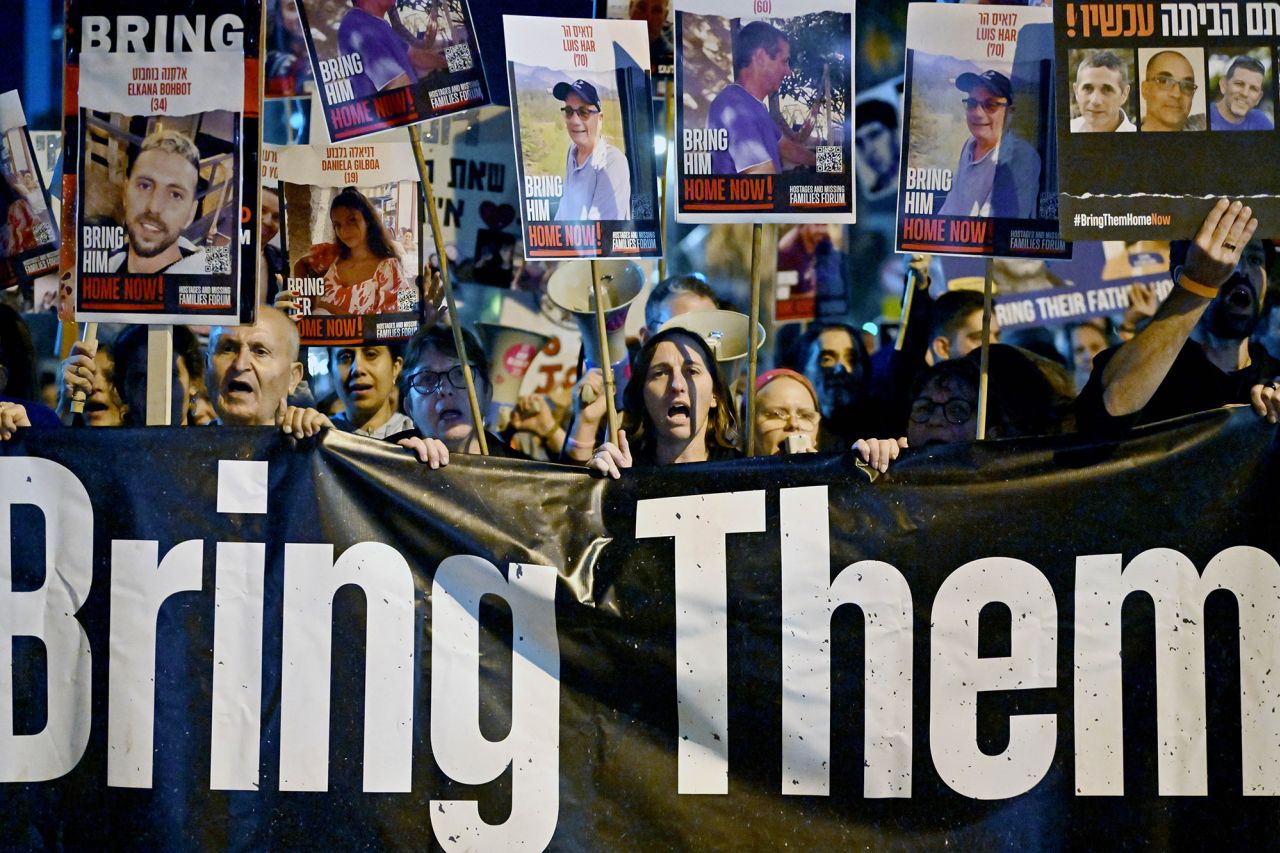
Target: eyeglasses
[
  {"x": 990, "y": 105},
  {"x": 775, "y": 418},
  {"x": 1165, "y": 82},
  {"x": 583, "y": 113},
  {"x": 429, "y": 381},
  {"x": 955, "y": 410}
]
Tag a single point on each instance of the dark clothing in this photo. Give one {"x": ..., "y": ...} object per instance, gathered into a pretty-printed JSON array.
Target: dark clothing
[
  {"x": 1193, "y": 384},
  {"x": 498, "y": 448},
  {"x": 643, "y": 458},
  {"x": 893, "y": 372},
  {"x": 39, "y": 414}
]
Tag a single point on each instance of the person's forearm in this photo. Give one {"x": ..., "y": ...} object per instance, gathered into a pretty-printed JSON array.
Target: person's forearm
[{"x": 1135, "y": 372}]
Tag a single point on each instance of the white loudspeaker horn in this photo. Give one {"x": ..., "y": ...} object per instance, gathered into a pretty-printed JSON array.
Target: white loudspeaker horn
[
  {"x": 725, "y": 332},
  {"x": 570, "y": 287},
  {"x": 510, "y": 351}
]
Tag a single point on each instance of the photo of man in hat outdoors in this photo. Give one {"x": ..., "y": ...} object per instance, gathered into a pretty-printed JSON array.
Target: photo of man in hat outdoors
[
  {"x": 998, "y": 174},
  {"x": 597, "y": 177}
]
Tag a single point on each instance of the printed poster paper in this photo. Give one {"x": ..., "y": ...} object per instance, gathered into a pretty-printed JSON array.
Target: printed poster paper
[
  {"x": 1162, "y": 109},
  {"x": 769, "y": 141},
  {"x": 977, "y": 171},
  {"x": 161, "y": 122},
  {"x": 582, "y": 115}
]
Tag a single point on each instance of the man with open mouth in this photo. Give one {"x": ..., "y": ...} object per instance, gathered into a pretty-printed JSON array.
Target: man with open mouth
[{"x": 1195, "y": 354}]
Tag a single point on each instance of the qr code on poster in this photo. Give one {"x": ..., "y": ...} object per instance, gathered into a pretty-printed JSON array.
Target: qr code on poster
[
  {"x": 217, "y": 260},
  {"x": 458, "y": 57},
  {"x": 830, "y": 159},
  {"x": 42, "y": 233}
]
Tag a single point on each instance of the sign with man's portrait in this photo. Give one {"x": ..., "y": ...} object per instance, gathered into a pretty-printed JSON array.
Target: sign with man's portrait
[
  {"x": 161, "y": 176},
  {"x": 763, "y": 130},
  {"x": 582, "y": 116},
  {"x": 1162, "y": 110},
  {"x": 381, "y": 64},
  {"x": 977, "y": 170}
]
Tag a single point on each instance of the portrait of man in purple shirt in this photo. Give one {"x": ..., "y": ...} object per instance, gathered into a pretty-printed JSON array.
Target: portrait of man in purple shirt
[
  {"x": 1242, "y": 87},
  {"x": 387, "y": 60},
  {"x": 757, "y": 145}
]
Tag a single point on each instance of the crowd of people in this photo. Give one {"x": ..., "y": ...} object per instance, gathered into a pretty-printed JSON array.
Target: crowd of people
[{"x": 1194, "y": 351}]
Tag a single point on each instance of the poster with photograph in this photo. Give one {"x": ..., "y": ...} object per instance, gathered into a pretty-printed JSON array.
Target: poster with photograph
[
  {"x": 977, "y": 173},
  {"x": 1163, "y": 109},
  {"x": 28, "y": 234},
  {"x": 381, "y": 64},
  {"x": 660, "y": 17},
  {"x": 811, "y": 282},
  {"x": 582, "y": 115},
  {"x": 877, "y": 117},
  {"x": 762, "y": 130},
  {"x": 161, "y": 135},
  {"x": 473, "y": 177},
  {"x": 352, "y": 230}
]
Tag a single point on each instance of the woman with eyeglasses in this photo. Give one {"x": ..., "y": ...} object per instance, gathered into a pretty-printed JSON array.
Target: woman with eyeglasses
[
  {"x": 434, "y": 395},
  {"x": 597, "y": 178},
  {"x": 788, "y": 420},
  {"x": 676, "y": 408}
]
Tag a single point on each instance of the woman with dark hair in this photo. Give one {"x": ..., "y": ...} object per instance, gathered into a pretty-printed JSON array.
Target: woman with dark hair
[
  {"x": 18, "y": 389},
  {"x": 367, "y": 276},
  {"x": 676, "y": 408}
]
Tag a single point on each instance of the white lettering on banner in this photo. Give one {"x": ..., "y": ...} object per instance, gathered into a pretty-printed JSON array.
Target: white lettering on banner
[
  {"x": 809, "y": 599},
  {"x": 957, "y": 675},
  {"x": 311, "y": 577},
  {"x": 48, "y": 614},
  {"x": 532, "y": 747},
  {"x": 1178, "y": 592},
  {"x": 170, "y": 34},
  {"x": 699, "y": 524},
  {"x": 140, "y": 583},
  {"x": 237, "y": 664}
]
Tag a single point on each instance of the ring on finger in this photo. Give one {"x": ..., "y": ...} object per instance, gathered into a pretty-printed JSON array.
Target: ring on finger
[{"x": 1230, "y": 246}]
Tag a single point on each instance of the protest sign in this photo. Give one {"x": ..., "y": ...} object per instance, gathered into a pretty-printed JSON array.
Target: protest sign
[
  {"x": 161, "y": 135},
  {"x": 977, "y": 172},
  {"x": 763, "y": 92},
  {"x": 1097, "y": 282},
  {"x": 582, "y": 115},
  {"x": 756, "y": 654},
  {"x": 288, "y": 67},
  {"x": 1162, "y": 109},
  {"x": 352, "y": 236},
  {"x": 28, "y": 233},
  {"x": 410, "y": 62}
]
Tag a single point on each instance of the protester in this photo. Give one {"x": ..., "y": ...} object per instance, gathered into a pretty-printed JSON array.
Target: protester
[
  {"x": 535, "y": 423},
  {"x": 677, "y": 408},
  {"x": 597, "y": 179},
  {"x": 787, "y": 420},
  {"x": 1195, "y": 353},
  {"x": 1086, "y": 339},
  {"x": 671, "y": 297},
  {"x": 18, "y": 391},
  {"x": 252, "y": 370},
  {"x": 435, "y": 396},
  {"x": 833, "y": 357},
  {"x": 130, "y": 351},
  {"x": 365, "y": 378},
  {"x": 87, "y": 375}
]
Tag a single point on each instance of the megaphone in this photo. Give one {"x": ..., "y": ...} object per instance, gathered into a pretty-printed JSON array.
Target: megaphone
[
  {"x": 570, "y": 287},
  {"x": 510, "y": 351},
  {"x": 726, "y": 333}
]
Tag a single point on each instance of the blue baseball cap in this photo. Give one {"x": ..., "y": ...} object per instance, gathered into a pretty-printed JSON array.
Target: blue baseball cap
[{"x": 581, "y": 88}]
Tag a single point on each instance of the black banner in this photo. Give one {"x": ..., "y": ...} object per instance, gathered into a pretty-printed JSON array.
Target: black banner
[{"x": 223, "y": 639}]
